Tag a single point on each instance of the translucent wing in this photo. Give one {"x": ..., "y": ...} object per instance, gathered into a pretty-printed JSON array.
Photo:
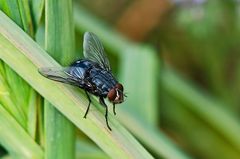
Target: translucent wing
[
  {"x": 94, "y": 51},
  {"x": 69, "y": 75}
]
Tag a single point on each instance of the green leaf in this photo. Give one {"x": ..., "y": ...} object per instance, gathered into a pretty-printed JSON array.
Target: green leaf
[
  {"x": 59, "y": 134},
  {"x": 11, "y": 8},
  {"x": 18, "y": 95},
  {"x": 86, "y": 150},
  {"x": 25, "y": 56},
  {"x": 6, "y": 101},
  {"x": 32, "y": 113},
  {"x": 15, "y": 139},
  {"x": 59, "y": 38},
  {"x": 140, "y": 84},
  {"x": 17, "y": 103},
  {"x": 26, "y": 16},
  {"x": 37, "y": 7}
]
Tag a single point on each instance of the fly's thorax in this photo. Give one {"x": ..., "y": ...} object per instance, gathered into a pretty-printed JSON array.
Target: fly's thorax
[
  {"x": 80, "y": 68},
  {"x": 83, "y": 63}
]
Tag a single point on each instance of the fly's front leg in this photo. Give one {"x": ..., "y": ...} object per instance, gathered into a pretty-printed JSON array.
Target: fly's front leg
[
  {"x": 114, "y": 112},
  {"x": 101, "y": 100},
  {"x": 89, "y": 103}
]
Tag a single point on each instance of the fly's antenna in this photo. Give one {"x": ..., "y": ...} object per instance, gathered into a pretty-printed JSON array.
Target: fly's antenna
[{"x": 124, "y": 94}]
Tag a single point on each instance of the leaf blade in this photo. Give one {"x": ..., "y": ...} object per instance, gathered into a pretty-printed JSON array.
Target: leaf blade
[{"x": 13, "y": 135}]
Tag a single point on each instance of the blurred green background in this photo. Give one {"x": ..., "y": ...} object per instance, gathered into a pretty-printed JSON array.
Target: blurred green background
[{"x": 179, "y": 62}]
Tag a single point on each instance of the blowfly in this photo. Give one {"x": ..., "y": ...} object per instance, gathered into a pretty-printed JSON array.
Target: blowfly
[{"x": 92, "y": 74}]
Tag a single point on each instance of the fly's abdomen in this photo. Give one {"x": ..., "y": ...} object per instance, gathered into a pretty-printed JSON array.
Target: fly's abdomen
[{"x": 103, "y": 81}]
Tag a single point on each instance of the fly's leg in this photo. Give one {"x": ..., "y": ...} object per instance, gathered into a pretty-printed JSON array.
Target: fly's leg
[
  {"x": 89, "y": 100},
  {"x": 114, "y": 112},
  {"x": 101, "y": 100}
]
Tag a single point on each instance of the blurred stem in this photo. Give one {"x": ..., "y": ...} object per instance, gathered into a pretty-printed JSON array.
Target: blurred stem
[
  {"x": 60, "y": 132},
  {"x": 211, "y": 111},
  {"x": 182, "y": 122}
]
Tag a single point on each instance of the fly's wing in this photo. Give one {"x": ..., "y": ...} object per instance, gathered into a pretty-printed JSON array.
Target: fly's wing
[
  {"x": 62, "y": 75},
  {"x": 94, "y": 51}
]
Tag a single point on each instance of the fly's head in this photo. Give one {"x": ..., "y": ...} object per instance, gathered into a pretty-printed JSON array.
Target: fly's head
[{"x": 115, "y": 95}]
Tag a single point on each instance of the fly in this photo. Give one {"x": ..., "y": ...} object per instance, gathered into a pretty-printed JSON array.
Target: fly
[{"x": 92, "y": 74}]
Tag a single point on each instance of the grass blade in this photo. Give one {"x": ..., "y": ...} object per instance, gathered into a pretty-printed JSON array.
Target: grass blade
[
  {"x": 32, "y": 114},
  {"x": 6, "y": 100},
  {"x": 26, "y": 16},
  {"x": 59, "y": 134},
  {"x": 15, "y": 139},
  {"x": 143, "y": 84},
  {"x": 37, "y": 7},
  {"x": 11, "y": 8},
  {"x": 89, "y": 151},
  {"x": 59, "y": 38}
]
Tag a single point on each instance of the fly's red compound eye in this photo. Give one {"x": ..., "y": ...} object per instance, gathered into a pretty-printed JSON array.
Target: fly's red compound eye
[
  {"x": 119, "y": 86},
  {"x": 112, "y": 94}
]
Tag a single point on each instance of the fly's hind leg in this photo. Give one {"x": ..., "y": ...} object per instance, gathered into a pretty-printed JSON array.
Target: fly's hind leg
[
  {"x": 101, "y": 100},
  {"x": 89, "y": 103}
]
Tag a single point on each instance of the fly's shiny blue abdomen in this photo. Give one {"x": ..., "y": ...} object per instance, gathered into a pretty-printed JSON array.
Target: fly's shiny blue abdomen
[{"x": 103, "y": 80}]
